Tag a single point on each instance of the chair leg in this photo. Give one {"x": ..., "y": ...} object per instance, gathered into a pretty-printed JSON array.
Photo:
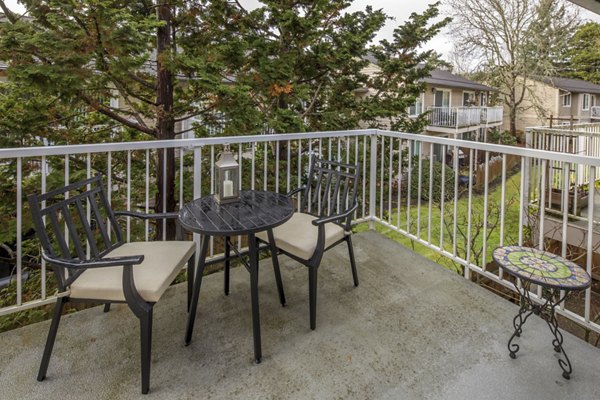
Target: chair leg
[
  {"x": 227, "y": 266},
  {"x": 312, "y": 292},
  {"x": 276, "y": 268},
  {"x": 352, "y": 262},
  {"x": 58, "y": 308},
  {"x": 106, "y": 307},
  {"x": 146, "y": 347},
  {"x": 190, "y": 281}
]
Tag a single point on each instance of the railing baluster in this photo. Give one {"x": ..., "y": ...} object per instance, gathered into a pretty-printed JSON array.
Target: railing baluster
[
  {"x": 455, "y": 157},
  {"x": 147, "y": 194},
  {"x": 409, "y": 184},
  {"x": 19, "y": 201},
  {"x": 128, "y": 205},
  {"x": 430, "y": 210},
  {"x": 503, "y": 206},
  {"x": 253, "y": 168},
  {"x": 277, "y": 143},
  {"x": 44, "y": 167},
  {"x": 590, "y": 242},
  {"x": 442, "y": 196},
  {"x": 88, "y": 174},
  {"x": 108, "y": 190},
  {"x": 391, "y": 162},
  {"x": 469, "y": 216},
  {"x": 419, "y": 191},
  {"x": 399, "y": 182},
  {"x": 164, "y": 207},
  {"x": 486, "y": 178}
]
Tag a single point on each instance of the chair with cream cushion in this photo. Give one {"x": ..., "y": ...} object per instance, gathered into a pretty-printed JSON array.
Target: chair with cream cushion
[
  {"x": 323, "y": 221},
  {"x": 110, "y": 271}
]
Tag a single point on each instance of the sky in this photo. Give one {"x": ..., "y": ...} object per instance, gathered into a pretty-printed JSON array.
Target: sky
[{"x": 400, "y": 10}]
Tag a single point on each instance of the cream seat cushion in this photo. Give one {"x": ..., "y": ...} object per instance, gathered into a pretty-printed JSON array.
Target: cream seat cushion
[
  {"x": 162, "y": 262},
  {"x": 298, "y": 236}
]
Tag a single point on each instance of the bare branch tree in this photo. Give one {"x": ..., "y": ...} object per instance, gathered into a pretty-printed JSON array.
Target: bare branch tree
[{"x": 511, "y": 42}]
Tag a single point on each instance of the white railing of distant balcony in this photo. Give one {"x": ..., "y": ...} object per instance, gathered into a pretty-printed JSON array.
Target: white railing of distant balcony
[
  {"x": 454, "y": 117},
  {"x": 492, "y": 115},
  {"x": 436, "y": 205}
]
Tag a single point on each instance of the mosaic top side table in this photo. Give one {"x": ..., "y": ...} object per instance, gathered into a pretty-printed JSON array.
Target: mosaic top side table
[{"x": 557, "y": 276}]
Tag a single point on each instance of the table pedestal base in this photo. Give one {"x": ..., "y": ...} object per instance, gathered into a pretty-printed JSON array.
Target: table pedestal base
[{"x": 546, "y": 311}]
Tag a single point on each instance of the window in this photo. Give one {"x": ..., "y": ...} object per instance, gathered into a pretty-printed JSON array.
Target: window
[
  {"x": 469, "y": 99},
  {"x": 442, "y": 98},
  {"x": 417, "y": 108},
  {"x": 566, "y": 100},
  {"x": 585, "y": 102}
]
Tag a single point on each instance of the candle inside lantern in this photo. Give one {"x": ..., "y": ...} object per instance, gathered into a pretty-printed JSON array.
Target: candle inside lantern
[{"x": 227, "y": 186}]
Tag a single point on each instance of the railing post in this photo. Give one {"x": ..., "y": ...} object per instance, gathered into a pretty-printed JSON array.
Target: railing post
[{"x": 373, "y": 179}]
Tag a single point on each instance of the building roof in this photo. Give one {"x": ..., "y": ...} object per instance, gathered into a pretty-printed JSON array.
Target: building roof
[
  {"x": 446, "y": 78},
  {"x": 572, "y": 85},
  {"x": 442, "y": 77}
]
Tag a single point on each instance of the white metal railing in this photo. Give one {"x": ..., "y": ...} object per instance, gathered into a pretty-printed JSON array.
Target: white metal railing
[
  {"x": 492, "y": 115},
  {"x": 454, "y": 117},
  {"x": 426, "y": 202}
]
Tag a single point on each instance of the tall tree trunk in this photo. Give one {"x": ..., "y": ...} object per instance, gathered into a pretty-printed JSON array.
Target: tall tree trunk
[{"x": 165, "y": 125}]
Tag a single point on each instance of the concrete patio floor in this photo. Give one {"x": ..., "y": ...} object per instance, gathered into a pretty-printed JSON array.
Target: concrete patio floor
[{"x": 411, "y": 330}]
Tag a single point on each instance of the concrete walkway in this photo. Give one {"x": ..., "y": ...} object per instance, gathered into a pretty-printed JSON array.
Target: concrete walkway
[{"x": 411, "y": 330}]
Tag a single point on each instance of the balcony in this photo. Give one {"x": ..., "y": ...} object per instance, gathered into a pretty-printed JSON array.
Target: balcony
[
  {"x": 411, "y": 329},
  {"x": 463, "y": 119}
]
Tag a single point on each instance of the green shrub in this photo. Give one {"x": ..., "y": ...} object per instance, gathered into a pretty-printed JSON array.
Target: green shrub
[{"x": 437, "y": 181}]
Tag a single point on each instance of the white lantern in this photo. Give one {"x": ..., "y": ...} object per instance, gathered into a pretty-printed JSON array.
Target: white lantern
[{"x": 227, "y": 181}]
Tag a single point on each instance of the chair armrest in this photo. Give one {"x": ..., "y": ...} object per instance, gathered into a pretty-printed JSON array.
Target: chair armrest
[
  {"x": 298, "y": 190},
  {"x": 335, "y": 217},
  {"x": 94, "y": 263},
  {"x": 147, "y": 216}
]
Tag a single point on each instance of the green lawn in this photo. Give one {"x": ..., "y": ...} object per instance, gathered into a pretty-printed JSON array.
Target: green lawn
[{"x": 511, "y": 225}]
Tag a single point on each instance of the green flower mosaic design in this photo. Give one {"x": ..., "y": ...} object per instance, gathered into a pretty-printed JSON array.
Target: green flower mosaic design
[{"x": 542, "y": 268}]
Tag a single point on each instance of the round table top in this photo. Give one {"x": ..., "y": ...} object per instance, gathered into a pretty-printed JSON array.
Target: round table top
[
  {"x": 542, "y": 268},
  {"x": 255, "y": 211}
]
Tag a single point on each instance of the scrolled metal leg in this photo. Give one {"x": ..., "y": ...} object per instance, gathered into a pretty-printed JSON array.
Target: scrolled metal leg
[
  {"x": 525, "y": 310},
  {"x": 557, "y": 342},
  {"x": 146, "y": 347}
]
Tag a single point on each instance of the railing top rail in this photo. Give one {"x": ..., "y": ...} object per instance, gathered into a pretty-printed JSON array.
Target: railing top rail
[
  {"x": 191, "y": 143},
  {"x": 11, "y": 153},
  {"x": 581, "y": 130},
  {"x": 496, "y": 148}
]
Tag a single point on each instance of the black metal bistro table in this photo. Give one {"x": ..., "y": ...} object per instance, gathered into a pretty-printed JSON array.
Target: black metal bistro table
[
  {"x": 557, "y": 276},
  {"x": 255, "y": 211}
]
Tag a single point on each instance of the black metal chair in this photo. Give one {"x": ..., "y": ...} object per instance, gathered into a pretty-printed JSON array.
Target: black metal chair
[
  {"x": 323, "y": 221},
  {"x": 93, "y": 263}
]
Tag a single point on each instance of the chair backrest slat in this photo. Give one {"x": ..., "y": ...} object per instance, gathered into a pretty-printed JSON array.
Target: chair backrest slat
[
  {"x": 97, "y": 217},
  {"x": 73, "y": 231},
  {"x": 89, "y": 220},
  {"x": 333, "y": 188},
  {"x": 87, "y": 228},
  {"x": 59, "y": 235}
]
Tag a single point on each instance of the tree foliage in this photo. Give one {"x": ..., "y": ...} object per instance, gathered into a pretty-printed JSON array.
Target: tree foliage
[
  {"x": 581, "y": 60},
  {"x": 512, "y": 42},
  {"x": 95, "y": 71}
]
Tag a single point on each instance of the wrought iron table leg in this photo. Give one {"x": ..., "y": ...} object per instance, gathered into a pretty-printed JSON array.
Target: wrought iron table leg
[
  {"x": 557, "y": 342},
  {"x": 254, "y": 294},
  {"x": 196, "y": 293},
  {"x": 227, "y": 265}
]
